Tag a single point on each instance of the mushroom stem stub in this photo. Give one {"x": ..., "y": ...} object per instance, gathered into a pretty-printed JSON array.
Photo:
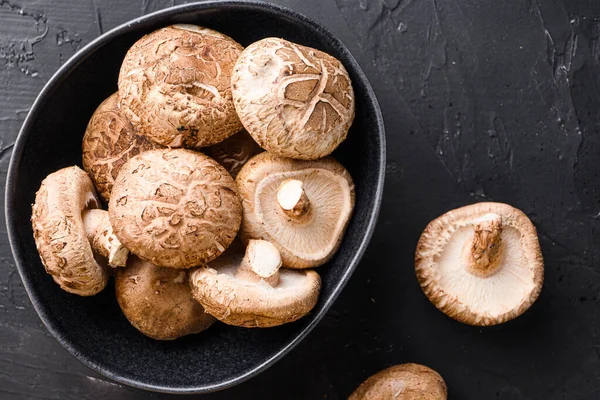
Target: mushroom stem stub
[
  {"x": 292, "y": 199},
  {"x": 261, "y": 262},
  {"x": 486, "y": 247},
  {"x": 102, "y": 239}
]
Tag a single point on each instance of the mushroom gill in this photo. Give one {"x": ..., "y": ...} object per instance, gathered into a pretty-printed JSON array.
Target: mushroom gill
[
  {"x": 302, "y": 207},
  {"x": 480, "y": 264},
  {"x": 250, "y": 288}
]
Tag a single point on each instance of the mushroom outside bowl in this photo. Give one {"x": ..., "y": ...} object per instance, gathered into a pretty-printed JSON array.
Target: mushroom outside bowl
[{"x": 94, "y": 329}]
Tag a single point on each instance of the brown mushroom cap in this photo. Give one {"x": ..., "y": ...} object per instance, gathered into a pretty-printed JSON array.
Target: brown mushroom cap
[
  {"x": 481, "y": 264},
  {"x": 175, "y": 86},
  {"x": 402, "y": 382},
  {"x": 109, "y": 141},
  {"x": 158, "y": 301},
  {"x": 311, "y": 234},
  {"x": 294, "y": 100},
  {"x": 60, "y": 234},
  {"x": 235, "y": 299},
  {"x": 175, "y": 208},
  {"x": 235, "y": 151}
]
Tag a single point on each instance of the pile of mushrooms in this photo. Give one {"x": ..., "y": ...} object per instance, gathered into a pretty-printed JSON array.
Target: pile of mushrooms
[
  {"x": 201, "y": 224},
  {"x": 215, "y": 165}
]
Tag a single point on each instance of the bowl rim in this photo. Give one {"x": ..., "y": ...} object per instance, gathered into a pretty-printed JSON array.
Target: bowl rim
[{"x": 56, "y": 80}]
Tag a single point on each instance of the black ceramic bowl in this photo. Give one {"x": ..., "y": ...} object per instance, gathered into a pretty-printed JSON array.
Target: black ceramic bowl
[{"x": 93, "y": 329}]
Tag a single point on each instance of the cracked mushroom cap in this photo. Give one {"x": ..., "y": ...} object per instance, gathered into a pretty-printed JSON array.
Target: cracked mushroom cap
[
  {"x": 175, "y": 86},
  {"x": 402, "y": 382},
  {"x": 175, "y": 208},
  {"x": 294, "y": 100},
  {"x": 235, "y": 151},
  {"x": 302, "y": 207},
  {"x": 158, "y": 301},
  {"x": 251, "y": 290},
  {"x": 481, "y": 264},
  {"x": 70, "y": 233},
  {"x": 109, "y": 141}
]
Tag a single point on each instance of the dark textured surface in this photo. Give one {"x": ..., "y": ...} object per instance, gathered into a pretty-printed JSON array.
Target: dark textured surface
[{"x": 483, "y": 100}]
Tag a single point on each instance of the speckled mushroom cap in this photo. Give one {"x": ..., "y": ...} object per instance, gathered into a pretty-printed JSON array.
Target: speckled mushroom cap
[
  {"x": 403, "y": 382},
  {"x": 174, "y": 85},
  {"x": 175, "y": 208},
  {"x": 240, "y": 302},
  {"x": 234, "y": 152},
  {"x": 109, "y": 141},
  {"x": 307, "y": 240},
  {"x": 158, "y": 301},
  {"x": 294, "y": 100},
  {"x": 60, "y": 235},
  {"x": 481, "y": 264}
]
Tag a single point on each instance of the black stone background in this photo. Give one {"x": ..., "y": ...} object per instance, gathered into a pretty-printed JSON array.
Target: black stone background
[{"x": 483, "y": 100}]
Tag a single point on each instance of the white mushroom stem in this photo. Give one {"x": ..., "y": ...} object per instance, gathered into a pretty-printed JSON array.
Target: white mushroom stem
[
  {"x": 102, "y": 239},
  {"x": 261, "y": 262},
  {"x": 292, "y": 198},
  {"x": 486, "y": 247}
]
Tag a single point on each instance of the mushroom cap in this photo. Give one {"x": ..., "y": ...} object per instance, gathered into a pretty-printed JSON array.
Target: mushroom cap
[
  {"x": 158, "y": 301},
  {"x": 175, "y": 86},
  {"x": 235, "y": 151},
  {"x": 294, "y": 100},
  {"x": 480, "y": 300},
  {"x": 402, "y": 382},
  {"x": 175, "y": 208},
  {"x": 313, "y": 240},
  {"x": 109, "y": 141},
  {"x": 239, "y": 302},
  {"x": 59, "y": 233}
]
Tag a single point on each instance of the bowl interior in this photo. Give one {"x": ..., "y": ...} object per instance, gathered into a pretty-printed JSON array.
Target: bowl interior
[{"x": 94, "y": 329}]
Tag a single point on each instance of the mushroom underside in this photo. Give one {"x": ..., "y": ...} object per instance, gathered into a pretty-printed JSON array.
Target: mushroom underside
[
  {"x": 500, "y": 293},
  {"x": 60, "y": 235},
  {"x": 255, "y": 304},
  {"x": 481, "y": 264},
  {"x": 316, "y": 237}
]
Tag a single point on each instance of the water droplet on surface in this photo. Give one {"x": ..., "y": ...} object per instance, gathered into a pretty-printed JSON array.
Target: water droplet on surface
[{"x": 392, "y": 168}]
